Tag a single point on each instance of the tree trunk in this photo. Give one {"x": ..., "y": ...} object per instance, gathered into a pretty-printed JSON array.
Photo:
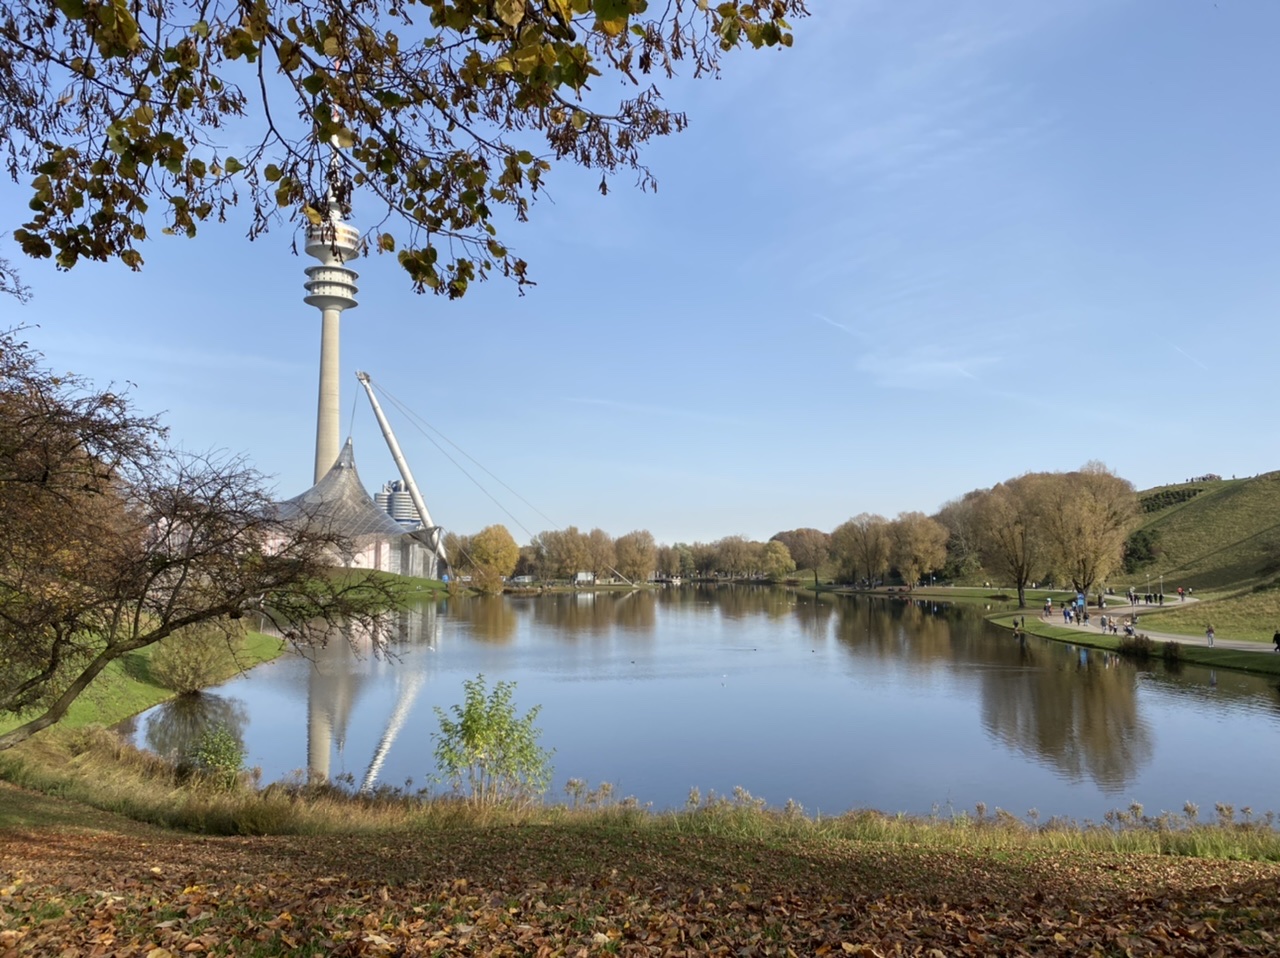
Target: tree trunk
[{"x": 59, "y": 708}]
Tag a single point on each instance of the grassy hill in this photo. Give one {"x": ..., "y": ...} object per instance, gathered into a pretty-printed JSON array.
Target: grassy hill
[{"x": 1224, "y": 537}]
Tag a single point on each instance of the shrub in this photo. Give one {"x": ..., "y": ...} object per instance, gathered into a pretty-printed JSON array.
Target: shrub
[
  {"x": 1138, "y": 646},
  {"x": 196, "y": 657},
  {"x": 1168, "y": 497},
  {"x": 1142, "y": 548},
  {"x": 487, "y": 752},
  {"x": 218, "y": 755}
]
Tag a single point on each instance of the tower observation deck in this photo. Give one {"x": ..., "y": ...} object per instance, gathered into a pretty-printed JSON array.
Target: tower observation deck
[{"x": 331, "y": 288}]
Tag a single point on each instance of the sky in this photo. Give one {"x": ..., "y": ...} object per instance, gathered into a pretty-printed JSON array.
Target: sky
[{"x": 934, "y": 245}]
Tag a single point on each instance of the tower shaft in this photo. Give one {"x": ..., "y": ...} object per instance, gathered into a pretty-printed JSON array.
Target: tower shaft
[
  {"x": 331, "y": 288},
  {"x": 328, "y": 408}
]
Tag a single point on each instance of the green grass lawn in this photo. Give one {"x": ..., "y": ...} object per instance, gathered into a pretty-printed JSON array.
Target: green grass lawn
[
  {"x": 1263, "y": 662},
  {"x": 1249, "y": 615},
  {"x": 126, "y": 687}
]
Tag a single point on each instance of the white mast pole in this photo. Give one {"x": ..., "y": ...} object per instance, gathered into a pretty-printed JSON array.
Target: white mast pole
[{"x": 418, "y": 502}]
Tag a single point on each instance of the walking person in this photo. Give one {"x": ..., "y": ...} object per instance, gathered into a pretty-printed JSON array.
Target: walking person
[
  {"x": 1208, "y": 634},
  {"x": 1276, "y": 639}
]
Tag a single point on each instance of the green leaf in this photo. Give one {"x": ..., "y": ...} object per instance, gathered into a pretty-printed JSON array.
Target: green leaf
[
  {"x": 272, "y": 173},
  {"x": 314, "y": 83},
  {"x": 233, "y": 165},
  {"x": 611, "y": 9},
  {"x": 73, "y": 9},
  {"x": 201, "y": 29}
]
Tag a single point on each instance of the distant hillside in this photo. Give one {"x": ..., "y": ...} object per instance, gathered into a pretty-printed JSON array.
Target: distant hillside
[{"x": 1212, "y": 535}]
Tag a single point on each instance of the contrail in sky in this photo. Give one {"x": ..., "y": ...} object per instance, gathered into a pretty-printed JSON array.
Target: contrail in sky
[
  {"x": 1192, "y": 358},
  {"x": 832, "y": 322}
]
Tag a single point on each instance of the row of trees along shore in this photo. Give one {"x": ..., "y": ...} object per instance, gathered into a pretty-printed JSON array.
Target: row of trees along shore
[{"x": 1068, "y": 527}]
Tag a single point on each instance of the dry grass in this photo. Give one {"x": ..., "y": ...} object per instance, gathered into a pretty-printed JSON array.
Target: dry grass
[{"x": 96, "y": 767}]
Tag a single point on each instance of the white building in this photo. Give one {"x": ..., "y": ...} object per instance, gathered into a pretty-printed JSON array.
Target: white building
[{"x": 373, "y": 539}]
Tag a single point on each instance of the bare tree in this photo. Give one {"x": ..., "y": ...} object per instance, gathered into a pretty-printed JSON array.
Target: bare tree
[
  {"x": 11, "y": 282},
  {"x": 960, "y": 516},
  {"x": 110, "y": 542}
]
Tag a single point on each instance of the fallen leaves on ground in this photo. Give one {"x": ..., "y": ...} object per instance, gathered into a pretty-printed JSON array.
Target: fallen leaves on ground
[{"x": 585, "y": 890}]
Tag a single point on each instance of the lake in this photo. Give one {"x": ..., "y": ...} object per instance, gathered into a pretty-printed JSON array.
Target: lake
[{"x": 835, "y": 702}]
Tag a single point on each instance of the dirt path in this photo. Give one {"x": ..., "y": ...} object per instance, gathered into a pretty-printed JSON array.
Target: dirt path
[{"x": 1123, "y": 612}]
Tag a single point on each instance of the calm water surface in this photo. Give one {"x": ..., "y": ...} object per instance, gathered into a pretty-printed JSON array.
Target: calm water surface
[{"x": 837, "y": 703}]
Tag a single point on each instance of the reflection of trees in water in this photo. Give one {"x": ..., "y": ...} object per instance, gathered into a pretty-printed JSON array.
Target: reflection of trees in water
[
  {"x": 175, "y": 727},
  {"x": 492, "y": 618},
  {"x": 1076, "y": 712},
  {"x": 892, "y": 629},
  {"x": 814, "y": 615},
  {"x": 744, "y": 601},
  {"x": 637, "y": 612},
  {"x": 596, "y": 613},
  {"x": 732, "y": 601}
]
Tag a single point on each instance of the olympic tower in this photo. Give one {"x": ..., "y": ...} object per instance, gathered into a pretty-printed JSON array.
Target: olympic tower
[{"x": 331, "y": 288}]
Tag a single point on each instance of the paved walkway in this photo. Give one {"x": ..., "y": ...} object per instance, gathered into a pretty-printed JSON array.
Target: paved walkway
[{"x": 1128, "y": 611}]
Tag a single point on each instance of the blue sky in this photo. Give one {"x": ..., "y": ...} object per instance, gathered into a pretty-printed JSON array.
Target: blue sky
[{"x": 932, "y": 246}]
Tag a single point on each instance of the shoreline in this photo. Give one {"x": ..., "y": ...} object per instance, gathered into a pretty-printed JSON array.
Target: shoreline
[{"x": 1239, "y": 655}]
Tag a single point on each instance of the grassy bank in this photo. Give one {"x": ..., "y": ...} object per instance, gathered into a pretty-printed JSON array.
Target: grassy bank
[
  {"x": 1263, "y": 662},
  {"x": 96, "y": 767},
  {"x": 126, "y": 686}
]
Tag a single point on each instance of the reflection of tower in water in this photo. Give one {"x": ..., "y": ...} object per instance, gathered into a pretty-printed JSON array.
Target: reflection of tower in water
[{"x": 339, "y": 672}]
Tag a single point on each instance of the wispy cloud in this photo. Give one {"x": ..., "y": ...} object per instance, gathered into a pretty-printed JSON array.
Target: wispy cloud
[
  {"x": 922, "y": 367},
  {"x": 647, "y": 409},
  {"x": 172, "y": 358},
  {"x": 840, "y": 326},
  {"x": 929, "y": 94}
]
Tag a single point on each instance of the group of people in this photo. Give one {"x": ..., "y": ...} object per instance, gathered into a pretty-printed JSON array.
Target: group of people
[
  {"x": 1149, "y": 598},
  {"x": 1111, "y": 624},
  {"x": 1079, "y": 615}
]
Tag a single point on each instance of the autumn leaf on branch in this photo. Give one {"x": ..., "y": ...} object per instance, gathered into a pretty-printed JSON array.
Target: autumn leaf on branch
[{"x": 448, "y": 115}]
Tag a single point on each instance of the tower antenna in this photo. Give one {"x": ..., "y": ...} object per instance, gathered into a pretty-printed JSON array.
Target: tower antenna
[{"x": 331, "y": 288}]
